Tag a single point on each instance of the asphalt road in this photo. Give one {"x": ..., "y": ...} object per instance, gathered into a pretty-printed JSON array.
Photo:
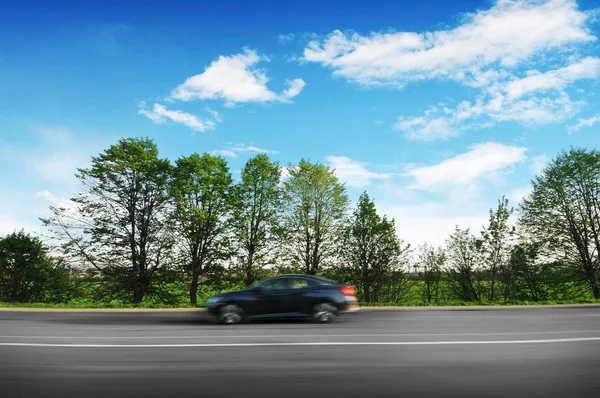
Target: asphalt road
[{"x": 553, "y": 352}]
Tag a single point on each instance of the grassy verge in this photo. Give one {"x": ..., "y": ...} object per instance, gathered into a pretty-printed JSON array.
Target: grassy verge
[
  {"x": 120, "y": 305},
  {"x": 484, "y": 304},
  {"x": 95, "y": 306}
]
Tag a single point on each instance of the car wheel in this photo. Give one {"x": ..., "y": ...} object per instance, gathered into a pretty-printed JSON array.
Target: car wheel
[
  {"x": 231, "y": 314},
  {"x": 324, "y": 313}
]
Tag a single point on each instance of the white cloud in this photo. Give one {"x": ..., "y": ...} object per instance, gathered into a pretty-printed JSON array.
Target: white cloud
[
  {"x": 42, "y": 173},
  {"x": 433, "y": 222},
  {"x": 159, "y": 114},
  {"x": 286, "y": 38},
  {"x": 427, "y": 128},
  {"x": 516, "y": 195},
  {"x": 481, "y": 161},
  {"x": 510, "y": 100},
  {"x": 492, "y": 50},
  {"x": 224, "y": 152},
  {"x": 587, "y": 68},
  {"x": 354, "y": 173},
  {"x": 507, "y": 34},
  {"x": 232, "y": 151},
  {"x": 294, "y": 88},
  {"x": 538, "y": 163},
  {"x": 235, "y": 79},
  {"x": 584, "y": 123}
]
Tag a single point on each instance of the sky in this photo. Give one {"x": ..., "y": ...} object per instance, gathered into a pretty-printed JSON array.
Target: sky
[{"x": 435, "y": 108}]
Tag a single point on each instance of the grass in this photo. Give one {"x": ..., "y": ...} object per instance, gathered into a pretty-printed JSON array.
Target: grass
[
  {"x": 85, "y": 304},
  {"x": 483, "y": 303}
]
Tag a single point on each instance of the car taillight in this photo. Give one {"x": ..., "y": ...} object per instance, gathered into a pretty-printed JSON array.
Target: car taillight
[{"x": 349, "y": 291}]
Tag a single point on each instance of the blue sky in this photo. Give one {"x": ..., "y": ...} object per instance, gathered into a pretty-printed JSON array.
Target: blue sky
[{"x": 436, "y": 108}]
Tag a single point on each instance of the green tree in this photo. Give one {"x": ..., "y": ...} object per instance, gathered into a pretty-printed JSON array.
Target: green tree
[
  {"x": 462, "y": 250},
  {"x": 372, "y": 248},
  {"x": 200, "y": 189},
  {"x": 256, "y": 213},
  {"x": 430, "y": 264},
  {"x": 28, "y": 273},
  {"x": 496, "y": 243},
  {"x": 524, "y": 263},
  {"x": 316, "y": 204},
  {"x": 564, "y": 210},
  {"x": 117, "y": 223}
]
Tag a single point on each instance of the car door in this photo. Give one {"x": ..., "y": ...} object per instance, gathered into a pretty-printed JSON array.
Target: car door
[
  {"x": 273, "y": 297},
  {"x": 300, "y": 297}
]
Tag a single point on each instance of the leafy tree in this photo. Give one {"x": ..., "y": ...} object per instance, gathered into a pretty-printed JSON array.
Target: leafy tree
[
  {"x": 200, "y": 189},
  {"x": 256, "y": 214},
  {"x": 523, "y": 261},
  {"x": 462, "y": 252},
  {"x": 316, "y": 204},
  {"x": 117, "y": 223},
  {"x": 564, "y": 210},
  {"x": 496, "y": 243},
  {"x": 431, "y": 262},
  {"x": 28, "y": 273},
  {"x": 372, "y": 248}
]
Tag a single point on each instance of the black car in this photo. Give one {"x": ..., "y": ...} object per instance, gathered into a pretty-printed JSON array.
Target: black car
[{"x": 285, "y": 296}]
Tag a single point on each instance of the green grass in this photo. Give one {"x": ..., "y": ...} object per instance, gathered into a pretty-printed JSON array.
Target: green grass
[
  {"x": 482, "y": 303},
  {"x": 83, "y": 304}
]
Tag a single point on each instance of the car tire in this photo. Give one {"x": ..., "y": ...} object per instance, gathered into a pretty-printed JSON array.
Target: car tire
[
  {"x": 324, "y": 313},
  {"x": 231, "y": 314}
]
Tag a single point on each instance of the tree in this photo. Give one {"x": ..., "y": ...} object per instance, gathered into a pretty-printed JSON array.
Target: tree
[
  {"x": 28, "y": 273},
  {"x": 496, "y": 243},
  {"x": 431, "y": 262},
  {"x": 523, "y": 261},
  {"x": 118, "y": 222},
  {"x": 372, "y": 248},
  {"x": 316, "y": 204},
  {"x": 462, "y": 253},
  {"x": 564, "y": 210},
  {"x": 256, "y": 213},
  {"x": 200, "y": 189}
]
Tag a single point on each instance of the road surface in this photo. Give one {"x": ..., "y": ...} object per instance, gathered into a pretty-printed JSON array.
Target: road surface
[{"x": 529, "y": 352}]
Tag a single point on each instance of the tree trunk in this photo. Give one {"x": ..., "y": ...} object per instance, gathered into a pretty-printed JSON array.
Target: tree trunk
[
  {"x": 249, "y": 264},
  {"x": 596, "y": 289},
  {"x": 140, "y": 289},
  {"x": 194, "y": 288}
]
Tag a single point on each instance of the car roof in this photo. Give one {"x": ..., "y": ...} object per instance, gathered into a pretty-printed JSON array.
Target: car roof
[{"x": 313, "y": 277}]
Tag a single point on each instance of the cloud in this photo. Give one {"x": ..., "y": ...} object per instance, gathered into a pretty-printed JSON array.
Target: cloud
[
  {"x": 234, "y": 79},
  {"x": 42, "y": 172},
  {"x": 224, "y": 152},
  {"x": 286, "y": 38},
  {"x": 433, "y": 222},
  {"x": 584, "y": 123},
  {"x": 354, "y": 173},
  {"x": 507, "y": 34},
  {"x": 234, "y": 150},
  {"x": 516, "y": 195},
  {"x": 538, "y": 163},
  {"x": 159, "y": 114},
  {"x": 480, "y": 161},
  {"x": 512, "y": 100},
  {"x": 294, "y": 88},
  {"x": 520, "y": 55}
]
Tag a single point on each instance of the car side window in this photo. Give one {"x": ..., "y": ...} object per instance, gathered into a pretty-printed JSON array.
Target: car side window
[
  {"x": 299, "y": 283},
  {"x": 275, "y": 284}
]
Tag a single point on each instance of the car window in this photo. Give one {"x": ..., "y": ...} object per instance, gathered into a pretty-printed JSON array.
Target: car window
[
  {"x": 274, "y": 284},
  {"x": 300, "y": 283}
]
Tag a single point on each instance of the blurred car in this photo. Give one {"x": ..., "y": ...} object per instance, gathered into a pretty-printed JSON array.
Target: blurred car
[{"x": 285, "y": 296}]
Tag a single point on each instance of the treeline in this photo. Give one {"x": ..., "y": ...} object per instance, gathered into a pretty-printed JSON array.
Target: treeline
[{"x": 143, "y": 229}]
